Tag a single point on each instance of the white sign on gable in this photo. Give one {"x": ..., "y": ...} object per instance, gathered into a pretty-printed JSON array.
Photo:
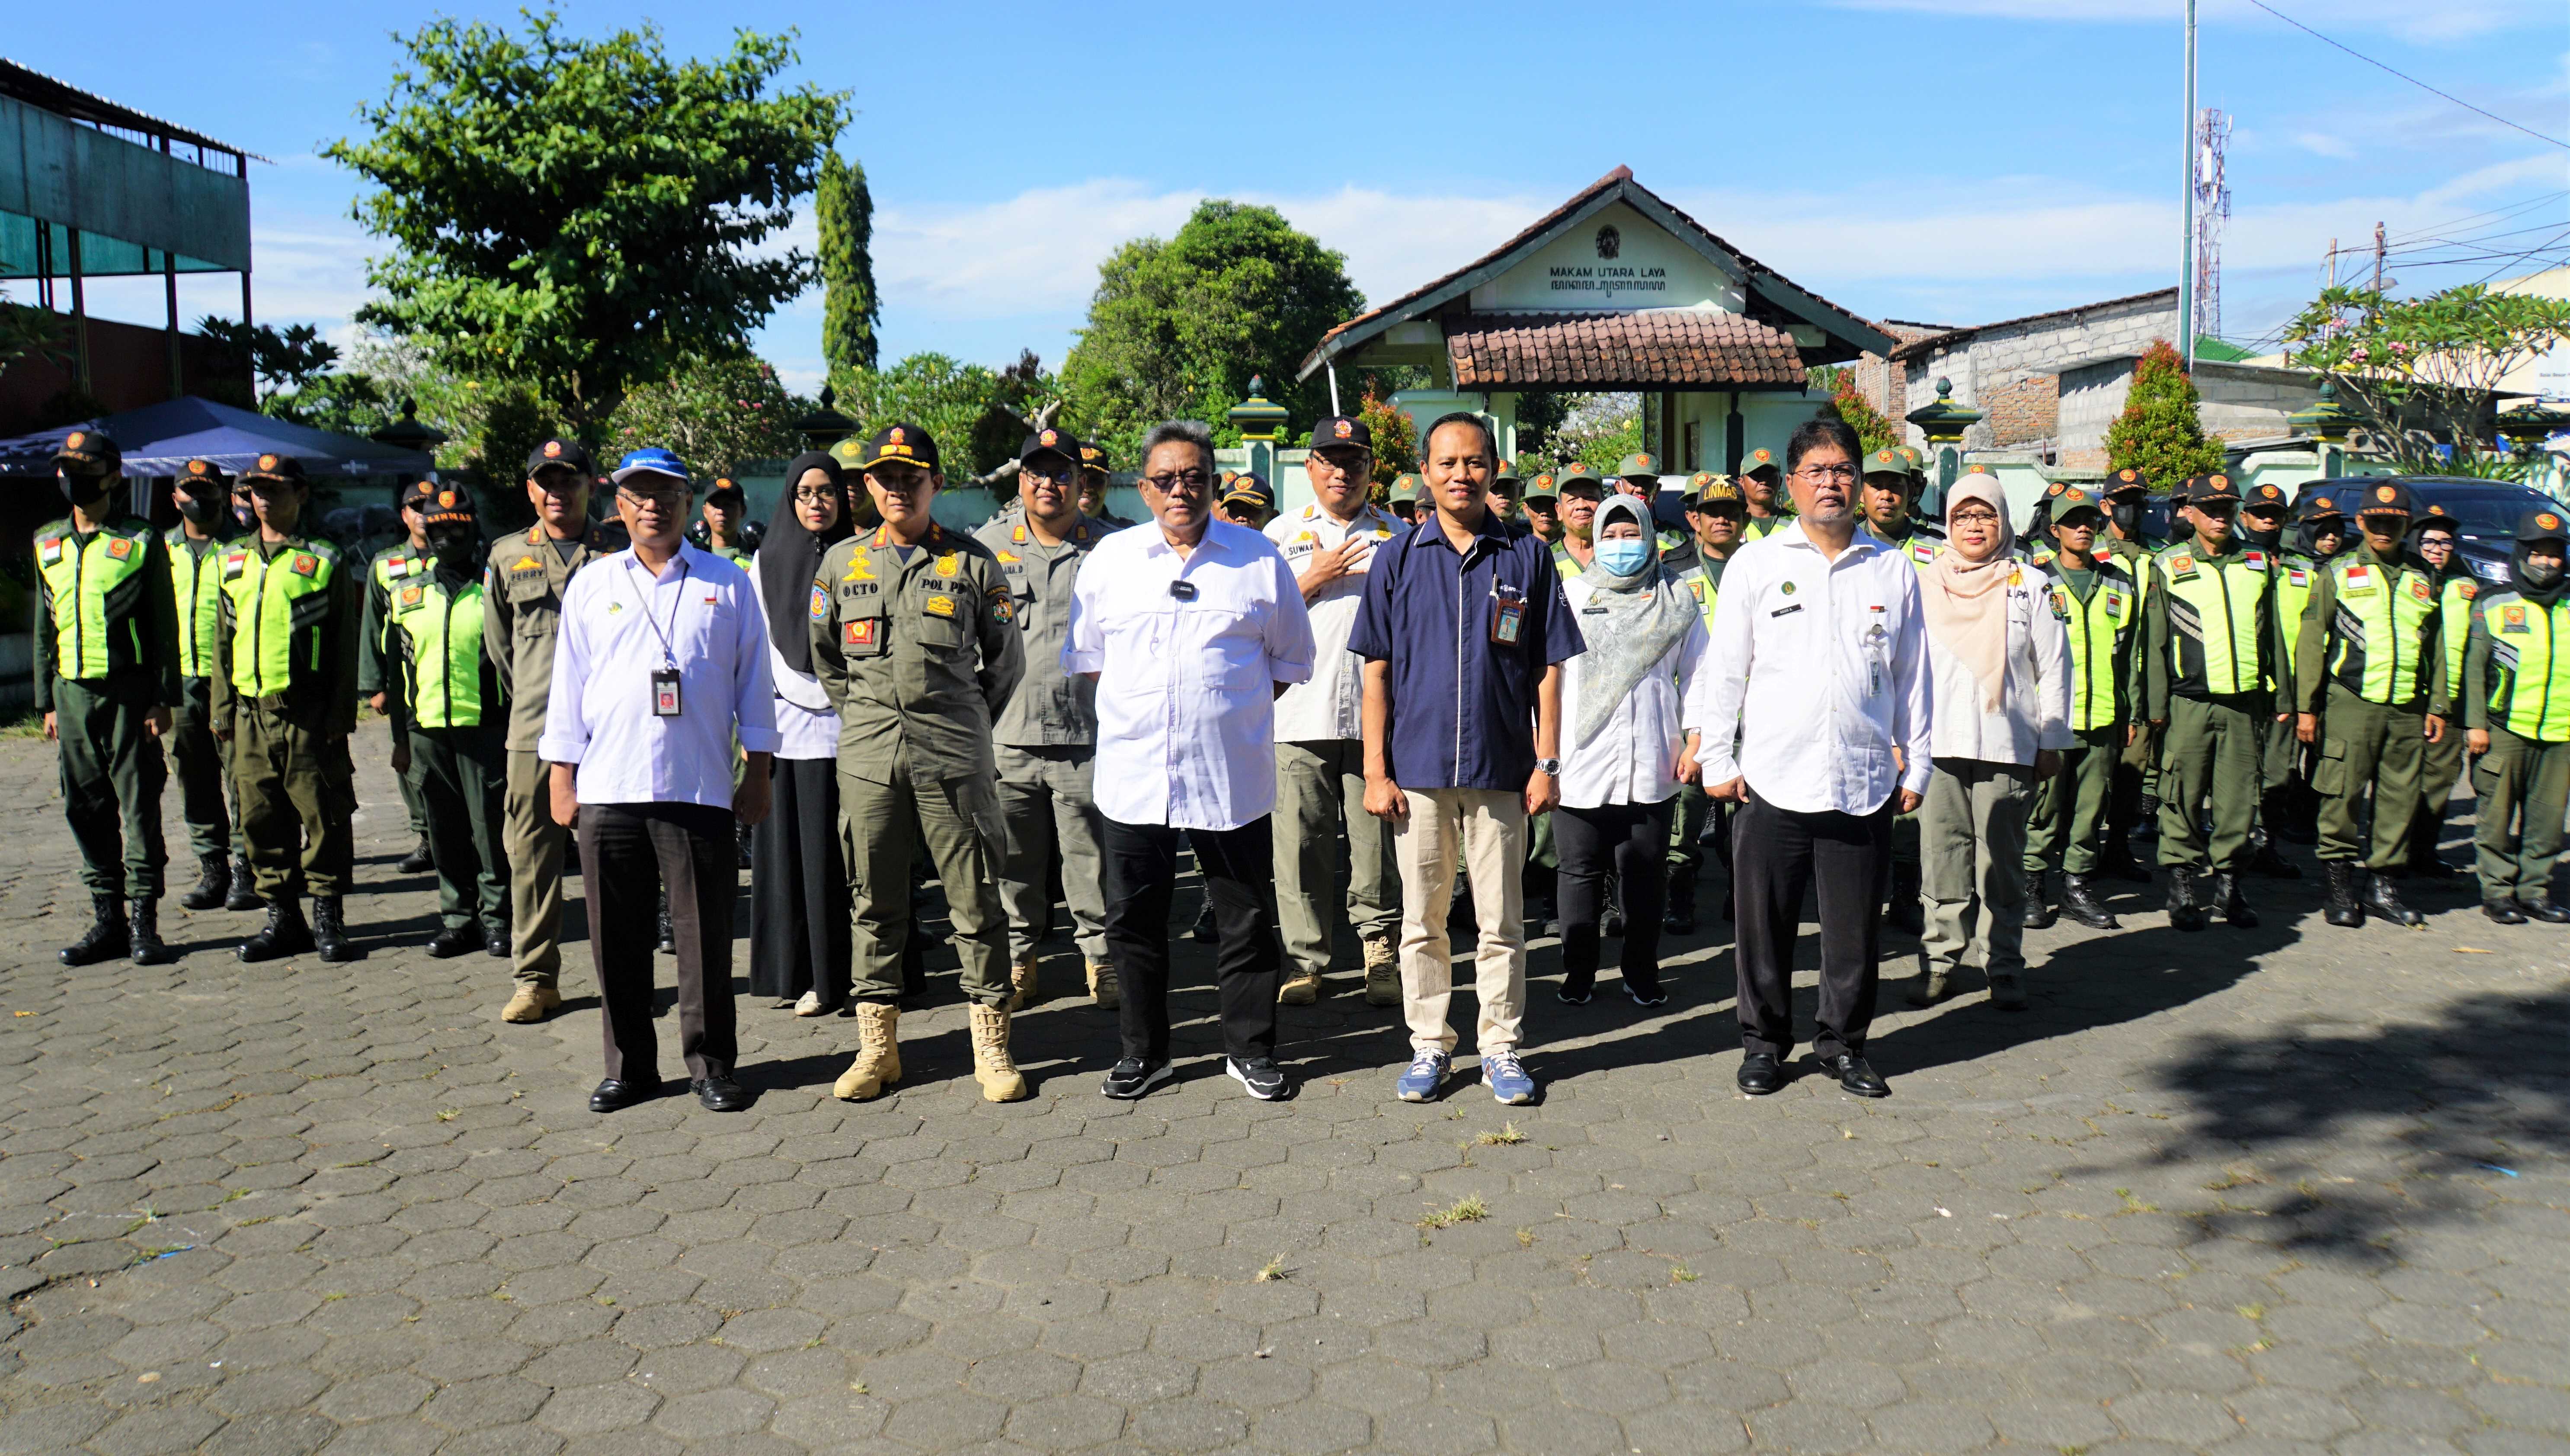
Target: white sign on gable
[{"x": 1616, "y": 260}]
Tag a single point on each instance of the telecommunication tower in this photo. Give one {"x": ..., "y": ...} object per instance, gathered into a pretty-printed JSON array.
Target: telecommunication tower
[{"x": 2212, "y": 210}]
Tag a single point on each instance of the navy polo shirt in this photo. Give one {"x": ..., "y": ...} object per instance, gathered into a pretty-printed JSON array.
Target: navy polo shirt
[{"x": 1462, "y": 706}]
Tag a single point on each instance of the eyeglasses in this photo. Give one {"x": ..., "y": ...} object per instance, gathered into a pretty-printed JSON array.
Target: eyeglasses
[
  {"x": 816, "y": 497},
  {"x": 1842, "y": 473},
  {"x": 662, "y": 499},
  {"x": 1056, "y": 473},
  {"x": 1972, "y": 517},
  {"x": 1189, "y": 479}
]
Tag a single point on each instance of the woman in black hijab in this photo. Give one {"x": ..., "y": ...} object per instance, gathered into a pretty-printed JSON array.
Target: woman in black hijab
[{"x": 798, "y": 926}]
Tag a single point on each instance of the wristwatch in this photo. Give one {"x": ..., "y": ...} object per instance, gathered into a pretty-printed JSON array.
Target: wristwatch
[{"x": 1548, "y": 767}]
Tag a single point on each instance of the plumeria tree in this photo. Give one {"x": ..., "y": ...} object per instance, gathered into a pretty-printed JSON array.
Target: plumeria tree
[
  {"x": 2421, "y": 373},
  {"x": 717, "y": 414}
]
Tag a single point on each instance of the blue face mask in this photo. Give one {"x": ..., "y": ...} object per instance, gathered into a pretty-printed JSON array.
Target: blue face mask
[{"x": 1623, "y": 557}]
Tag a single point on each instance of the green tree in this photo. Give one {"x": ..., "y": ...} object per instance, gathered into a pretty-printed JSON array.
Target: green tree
[
  {"x": 1873, "y": 430},
  {"x": 978, "y": 416},
  {"x": 2160, "y": 433},
  {"x": 2420, "y": 373},
  {"x": 26, "y": 329},
  {"x": 717, "y": 414},
  {"x": 285, "y": 359},
  {"x": 350, "y": 403},
  {"x": 1177, "y": 328},
  {"x": 850, "y": 311},
  {"x": 583, "y": 215},
  {"x": 1395, "y": 432}
]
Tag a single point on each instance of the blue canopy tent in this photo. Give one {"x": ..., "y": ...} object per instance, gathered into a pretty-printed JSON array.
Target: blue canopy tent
[{"x": 160, "y": 440}]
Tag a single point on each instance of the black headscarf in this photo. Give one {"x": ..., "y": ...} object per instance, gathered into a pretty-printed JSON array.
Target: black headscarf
[
  {"x": 2544, "y": 595},
  {"x": 790, "y": 557}
]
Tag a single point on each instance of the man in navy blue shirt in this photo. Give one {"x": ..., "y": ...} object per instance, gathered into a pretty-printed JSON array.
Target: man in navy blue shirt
[{"x": 1463, "y": 631}]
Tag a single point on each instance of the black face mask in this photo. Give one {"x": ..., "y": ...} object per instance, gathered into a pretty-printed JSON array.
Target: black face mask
[
  {"x": 2262, "y": 540},
  {"x": 2127, "y": 516},
  {"x": 457, "y": 549},
  {"x": 197, "y": 512},
  {"x": 245, "y": 518},
  {"x": 84, "y": 490}
]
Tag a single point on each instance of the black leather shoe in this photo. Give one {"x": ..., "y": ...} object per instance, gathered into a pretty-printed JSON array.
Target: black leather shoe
[
  {"x": 418, "y": 861},
  {"x": 495, "y": 941},
  {"x": 1760, "y": 1073},
  {"x": 455, "y": 940},
  {"x": 243, "y": 895},
  {"x": 613, "y": 1094},
  {"x": 2541, "y": 907},
  {"x": 2344, "y": 909},
  {"x": 2504, "y": 911},
  {"x": 2080, "y": 902},
  {"x": 2381, "y": 899},
  {"x": 1856, "y": 1075},
  {"x": 720, "y": 1094}
]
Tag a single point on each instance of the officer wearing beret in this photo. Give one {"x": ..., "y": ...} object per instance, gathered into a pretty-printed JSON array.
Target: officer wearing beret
[
  {"x": 2208, "y": 624},
  {"x": 1095, "y": 474},
  {"x": 387, "y": 569},
  {"x": 1762, "y": 477},
  {"x": 451, "y": 710},
  {"x": 202, "y": 493},
  {"x": 915, "y": 641},
  {"x": 2100, "y": 605},
  {"x": 521, "y": 614},
  {"x": 2432, "y": 546},
  {"x": 2517, "y": 721},
  {"x": 107, "y": 677},
  {"x": 286, "y": 694},
  {"x": 2369, "y": 650}
]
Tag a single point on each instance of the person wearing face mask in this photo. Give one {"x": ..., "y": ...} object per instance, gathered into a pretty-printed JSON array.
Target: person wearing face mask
[
  {"x": 202, "y": 493},
  {"x": 451, "y": 710},
  {"x": 2208, "y": 629},
  {"x": 2101, "y": 610},
  {"x": 2432, "y": 546},
  {"x": 244, "y": 509},
  {"x": 107, "y": 677},
  {"x": 2263, "y": 512},
  {"x": 2516, "y": 722},
  {"x": 387, "y": 570},
  {"x": 1628, "y": 745},
  {"x": 2135, "y": 805}
]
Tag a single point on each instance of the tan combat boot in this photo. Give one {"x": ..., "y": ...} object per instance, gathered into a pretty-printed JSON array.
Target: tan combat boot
[
  {"x": 1022, "y": 986},
  {"x": 878, "y": 1063},
  {"x": 1381, "y": 972},
  {"x": 531, "y": 1004},
  {"x": 999, "y": 1078},
  {"x": 1301, "y": 988},
  {"x": 1101, "y": 985}
]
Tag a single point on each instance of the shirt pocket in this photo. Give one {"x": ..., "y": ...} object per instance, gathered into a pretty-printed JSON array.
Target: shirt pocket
[
  {"x": 861, "y": 628},
  {"x": 942, "y": 619}
]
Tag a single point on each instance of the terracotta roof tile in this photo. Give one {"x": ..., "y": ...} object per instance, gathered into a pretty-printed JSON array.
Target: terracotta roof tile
[{"x": 1654, "y": 349}]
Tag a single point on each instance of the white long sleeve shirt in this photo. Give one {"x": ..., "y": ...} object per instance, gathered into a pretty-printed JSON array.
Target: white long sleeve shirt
[
  {"x": 615, "y": 614},
  {"x": 807, "y": 727},
  {"x": 1332, "y": 704},
  {"x": 1818, "y": 669},
  {"x": 1633, "y": 758},
  {"x": 2034, "y": 712},
  {"x": 1186, "y": 683}
]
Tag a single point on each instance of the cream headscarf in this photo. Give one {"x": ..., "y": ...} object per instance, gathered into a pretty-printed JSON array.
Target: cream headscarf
[{"x": 1966, "y": 602}]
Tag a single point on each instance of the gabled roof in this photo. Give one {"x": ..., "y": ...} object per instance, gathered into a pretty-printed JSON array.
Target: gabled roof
[
  {"x": 1618, "y": 186},
  {"x": 1657, "y": 349}
]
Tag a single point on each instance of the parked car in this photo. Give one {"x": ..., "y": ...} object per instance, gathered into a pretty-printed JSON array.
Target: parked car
[{"x": 2485, "y": 511}]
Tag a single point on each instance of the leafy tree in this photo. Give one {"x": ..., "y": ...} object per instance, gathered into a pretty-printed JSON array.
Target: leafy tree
[
  {"x": 27, "y": 329},
  {"x": 850, "y": 309},
  {"x": 717, "y": 414},
  {"x": 352, "y": 404},
  {"x": 285, "y": 359},
  {"x": 1177, "y": 328},
  {"x": 583, "y": 215},
  {"x": 1396, "y": 435},
  {"x": 978, "y": 416},
  {"x": 1542, "y": 412},
  {"x": 1873, "y": 430},
  {"x": 2420, "y": 373},
  {"x": 2160, "y": 432}
]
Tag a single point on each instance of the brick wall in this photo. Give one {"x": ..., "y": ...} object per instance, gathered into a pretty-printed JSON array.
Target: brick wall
[
  {"x": 2011, "y": 371},
  {"x": 2024, "y": 412}
]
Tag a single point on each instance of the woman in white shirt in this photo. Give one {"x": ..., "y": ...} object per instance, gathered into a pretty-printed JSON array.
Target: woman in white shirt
[
  {"x": 1626, "y": 746},
  {"x": 798, "y": 888},
  {"x": 1998, "y": 660}
]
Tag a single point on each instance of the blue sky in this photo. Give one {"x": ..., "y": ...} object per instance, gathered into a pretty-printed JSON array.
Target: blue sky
[{"x": 1950, "y": 161}]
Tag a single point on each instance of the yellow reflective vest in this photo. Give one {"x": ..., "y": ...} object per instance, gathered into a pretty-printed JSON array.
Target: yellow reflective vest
[
  {"x": 103, "y": 616},
  {"x": 438, "y": 631},
  {"x": 2102, "y": 627},
  {"x": 2371, "y": 627},
  {"x": 2515, "y": 674},
  {"x": 196, "y": 586},
  {"x": 2207, "y": 619},
  {"x": 277, "y": 605},
  {"x": 2454, "y": 622}
]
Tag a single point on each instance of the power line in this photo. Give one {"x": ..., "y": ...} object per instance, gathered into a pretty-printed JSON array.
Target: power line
[{"x": 2413, "y": 80}]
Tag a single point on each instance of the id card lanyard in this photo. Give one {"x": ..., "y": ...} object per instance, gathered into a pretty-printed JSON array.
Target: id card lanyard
[{"x": 665, "y": 682}]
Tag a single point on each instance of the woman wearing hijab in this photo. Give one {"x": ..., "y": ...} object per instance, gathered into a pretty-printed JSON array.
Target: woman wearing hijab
[
  {"x": 798, "y": 928},
  {"x": 2000, "y": 664},
  {"x": 1626, "y": 745},
  {"x": 2515, "y": 698}
]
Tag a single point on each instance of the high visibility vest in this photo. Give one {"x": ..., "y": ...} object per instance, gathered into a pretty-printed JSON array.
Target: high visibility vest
[
  {"x": 196, "y": 585},
  {"x": 2455, "y": 624},
  {"x": 2529, "y": 674},
  {"x": 96, "y": 590},
  {"x": 1700, "y": 585},
  {"x": 2294, "y": 579},
  {"x": 2213, "y": 617},
  {"x": 2101, "y": 631},
  {"x": 442, "y": 636},
  {"x": 2385, "y": 615},
  {"x": 1757, "y": 528},
  {"x": 274, "y": 600},
  {"x": 1564, "y": 565}
]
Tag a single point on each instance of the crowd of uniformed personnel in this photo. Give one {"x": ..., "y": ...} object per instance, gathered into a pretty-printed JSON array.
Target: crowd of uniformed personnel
[{"x": 2320, "y": 670}]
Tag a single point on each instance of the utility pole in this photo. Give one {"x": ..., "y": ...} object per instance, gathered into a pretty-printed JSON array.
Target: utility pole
[
  {"x": 2377, "y": 257},
  {"x": 2186, "y": 258}
]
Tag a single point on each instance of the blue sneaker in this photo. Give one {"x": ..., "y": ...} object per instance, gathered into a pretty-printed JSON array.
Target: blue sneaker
[
  {"x": 1427, "y": 1073},
  {"x": 1507, "y": 1078}
]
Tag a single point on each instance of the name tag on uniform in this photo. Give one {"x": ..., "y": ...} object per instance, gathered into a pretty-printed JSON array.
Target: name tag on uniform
[
  {"x": 665, "y": 694},
  {"x": 1508, "y": 614},
  {"x": 1787, "y": 610}
]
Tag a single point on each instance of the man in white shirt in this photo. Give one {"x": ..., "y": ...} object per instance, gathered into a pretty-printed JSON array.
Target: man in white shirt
[
  {"x": 1815, "y": 680},
  {"x": 1320, "y": 730},
  {"x": 662, "y": 663},
  {"x": 1190, "y": 627}
]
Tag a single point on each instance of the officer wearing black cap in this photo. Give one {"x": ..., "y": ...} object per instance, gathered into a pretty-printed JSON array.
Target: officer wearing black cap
[
  {"x": 2318, "y": 534},
  {"x": 2209, "y": 630},
  {"x": 451, "y": 710},
  {"x": 2263, "y": 510},
  {"x": 2100, "y": 606},
  {"x": 202, "y": 493},
  {"x": 2435, "y": 544},
  {"x": 721, "y": 530},
  {"x": 288, "y": 695},
  {"x": 387, "y": 570},
  {"x": 2515, "y": 699},
  {"x": 526, "y": 573},
  {"x": 1248, "y": 500},
  {"x": 107, "y": 680},
  {"x": 1095, "y": 474},
  {"x": 2368, "y": 651}
]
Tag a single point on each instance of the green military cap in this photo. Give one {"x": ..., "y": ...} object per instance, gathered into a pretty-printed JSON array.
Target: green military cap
[
  {"x": 1638, "y": 465},
  {"x": 2066, "y": 499},
  {"x": 1579, "y": 476},
  {"x": 1886, "y": 461},
  {"x": 1541, "y": 489},
  {"x": 1761, "y": 459},
  {"x": 849, "y": 453},
  {"x": 1403, "y": 487},
  {"x": 1909, "y": 452},
  {"x": 1508, "y": 476}
]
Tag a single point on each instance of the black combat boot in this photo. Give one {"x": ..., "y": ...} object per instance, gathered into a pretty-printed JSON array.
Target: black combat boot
[
  {"x": 330, "y": 932},
  {"x": 2184, "y": 912},
  {"x": 1904, "y": 912},
  {"x": 2036, "y": 912},
  {"x": 284, "y": 935},
  {"x": 2082, "y": 904},
  {"x": 2344, "y": 909},
  {"x": 455, "y": 940},
  {"x": 213, "y": 882},
  {"x": 2267, "y": 861},
  {"x": 2120, "y": 865},
  {"x": 105, "y": 939},
  {"x": 1679, "y": 920},
  {"x": 2229, "y": 902},
  {"x": 419, "y": 860},
  {"x": 142, "y": 935},
  {"x": 2384, "y": 900},
  {"x": 245, "y": 892}
]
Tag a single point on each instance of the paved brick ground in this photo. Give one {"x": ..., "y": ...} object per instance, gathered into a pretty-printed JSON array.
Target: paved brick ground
[{"x": 2289, "y": 1190}]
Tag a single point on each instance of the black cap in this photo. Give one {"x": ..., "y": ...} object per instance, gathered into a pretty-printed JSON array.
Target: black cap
[
  {"x": 203, "y": 476},
  {"x": 2385, "y": 498},
  {"x": 2315, "y": 505},
  {"x": 446, "y": 503},
  {"x": 277, "y": 467},
  {"x": 418, "y": 494},
  {"x": 2128, "y": 481},
  {"x": 2543, "y": 523},
  {"x": 1340, "y": 429},
  {"x": 2205, "y": 490},
  {"x": 1246, "y": 489},
  {"x": 1049, "y": 441},
  {"x": 905, "y": 443},
  {"x": 2435, "y": 518},
  {"x": 1092, "y": 457},
  {"x": 2268, "y": 496},
  {"x": 557, "y": 450},
  {"x": 726, "y": 485},
  {"x": 90, "y": 452}
]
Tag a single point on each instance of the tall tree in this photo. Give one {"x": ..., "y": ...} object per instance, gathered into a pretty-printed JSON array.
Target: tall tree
[
  {"x": 850, "y": 311},
  {"x": 2421, "y": 374},
  {"x": 2161, "y": 433},
  {"x": 584, "y": 214}
]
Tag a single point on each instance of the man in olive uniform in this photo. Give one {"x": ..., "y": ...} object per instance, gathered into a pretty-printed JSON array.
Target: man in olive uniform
[
  {"x": 288, "y": 695},
  {"x": 1543, "y": 506},
  {"x": 391, "y": 567},
  {"x": 1581, "y": 493},
  {"x": 202, "y": 493},
  {"x": 2263, "y": 514},
  {"x": 1762, "y": 486},
  {"x": 1046, "y": 734},
  {"x": 1886, "y": 494},
  {"x": 521, "y": 610},
  {"x": 1095, "y": 475},
  {"x": 2368, "y": 648},
  {"x": 2101, "y": 607},
  {"x": 2517, "y": 721},
  {"x": 2206, "y": 625},
  {"x": 2319, "y": 530},
  {"x": 1507, "y": 489},
  {"x": 914, "y": 640},
  {"x": 449, "y": 705},
  {"x": 1638, "y": 476},
  {"x": 2135, "y": 805},
  {"x": 1714, "y": 513},
  {"x": 107, "y": 677},
  {"x": 720, "y": 528},
  {"x": 1401, "y": 498},
  {"x": 2434, "y": 544}
]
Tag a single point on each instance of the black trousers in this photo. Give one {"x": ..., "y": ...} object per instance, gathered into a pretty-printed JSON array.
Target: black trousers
[
  {"x": 1633, "y": 841},
  {"x": 1776, "y": 854},
  {"x": 627, "y": 851},
  {"x": 798, "y": 886},
  {"x": 1141, "y": 870}
]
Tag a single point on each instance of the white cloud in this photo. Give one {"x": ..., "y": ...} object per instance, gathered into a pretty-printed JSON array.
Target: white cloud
[
  {"x": 2325, "y": 145},
  {"x": 2439, "y": 20}
]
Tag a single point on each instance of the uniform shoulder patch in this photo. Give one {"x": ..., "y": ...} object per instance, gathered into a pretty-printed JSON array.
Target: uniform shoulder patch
[
  {"x": 306, "y": 563},
  {"x": 118, "y": 546},
  {"x": 820, "y": 602},
  {"x": 2467, "y": 589},
  {"x": 410, "y": 596}
]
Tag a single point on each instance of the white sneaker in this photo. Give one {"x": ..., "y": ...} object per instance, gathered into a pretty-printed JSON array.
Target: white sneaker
[{"x": 810, "y": 1004}]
